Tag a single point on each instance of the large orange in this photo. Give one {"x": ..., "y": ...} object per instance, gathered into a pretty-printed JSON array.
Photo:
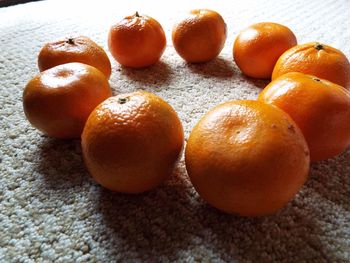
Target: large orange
[
  {"x": 320, "y": 108},
  {"x": 258, "y": 47},
  {"x": 315, "y": 59},
  {"x": 137, "y": 41},
  {"x": 132, "y": 142},
  {"x": 200, "y": 36},
  {"x": 247, "y": 157},
  {"x": 59, "y": 100},
  {"x": 75, "y": 49}
]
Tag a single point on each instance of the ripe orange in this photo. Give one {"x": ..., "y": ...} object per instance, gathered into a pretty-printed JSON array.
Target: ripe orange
[
  {"x": 137, "y": 41},
  {"x": 200, "y": 36},
  {"x": 258, "y": 47},
  {"x": 76, "y": 49},
  {"x": 315, "y": 59},
  {"x": 59, "y": 100},
  {"x": 247, "y": 157},
  {"x": 320, "y": 108},
  {"x": 132, "y": 142}
]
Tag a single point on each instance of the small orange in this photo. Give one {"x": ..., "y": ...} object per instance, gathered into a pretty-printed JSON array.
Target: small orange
[
  {"x": 200, "y": 36},
  {"x": 59, "y": 100},
  {"x": 320, "y": 108},
  {"x": 315, "y": 59},
  {"x": 258, "y": 47},
  {"x": 76, "y": 49},
  {"x": 137, "y": 41},
  {"x": 132, "y": 142},
  {"x": 247, "y": 157}
]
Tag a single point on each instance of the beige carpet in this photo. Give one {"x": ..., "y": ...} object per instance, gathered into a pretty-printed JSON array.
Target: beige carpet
[{"x": 52, "y": 211}]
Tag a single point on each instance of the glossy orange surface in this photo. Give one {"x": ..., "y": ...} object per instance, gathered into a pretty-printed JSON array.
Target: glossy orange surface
[
  {"x": 132, "y": 142},
  {"x": 200, "y": 36},
  {"x": 59, "y": 100},
  {"x": 315, "y": 59},
  {"x": 137, "y": 41},
  {"x": 258, "y": 47},
  {"x": 247, "y": 157},
  {"x": 76, "y": 49},
  {"x": 320, "y": 108}
]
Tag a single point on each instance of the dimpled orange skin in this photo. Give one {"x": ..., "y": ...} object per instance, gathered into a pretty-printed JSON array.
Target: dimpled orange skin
[
  {"x": 315, "y": 59},
  {"x": 247, "y": 157},
  {"x": 132, "y": 142},
  {"x": 59, "y": 100},
  {"x": 320, "y": 108},
  {"x": 200, "y": 37},
  {"x": 76, "y": 49},
  {"x": 137, "y": 41},
  {"x": 258, "y": 47}
]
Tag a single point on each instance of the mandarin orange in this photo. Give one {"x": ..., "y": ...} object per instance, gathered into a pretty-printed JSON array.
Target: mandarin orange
[
  {"x": 132, "y": 142},
  {"x": 247, "y": 157}
]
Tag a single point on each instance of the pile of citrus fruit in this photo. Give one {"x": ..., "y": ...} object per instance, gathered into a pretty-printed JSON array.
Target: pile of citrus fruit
[{"x": 245, "y": 157}]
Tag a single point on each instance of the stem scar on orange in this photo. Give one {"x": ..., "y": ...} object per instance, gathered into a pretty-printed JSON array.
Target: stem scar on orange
[
  {"x": 320, "y": 108},
  {"x": 132, "y": 142},
  {"x": 199, "y": 37},
  {"x": 316, "y": 59},
  {"x": 137, "y": 41},
  {"x": 74, "y": 49},
  {"x": 247, "y": 157}
]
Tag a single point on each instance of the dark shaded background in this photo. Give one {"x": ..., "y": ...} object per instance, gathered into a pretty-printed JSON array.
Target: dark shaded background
[{"x": 4, "y": 3}]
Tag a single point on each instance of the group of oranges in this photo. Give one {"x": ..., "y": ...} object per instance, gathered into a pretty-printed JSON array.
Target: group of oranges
[{"x": 245, "y": 157}]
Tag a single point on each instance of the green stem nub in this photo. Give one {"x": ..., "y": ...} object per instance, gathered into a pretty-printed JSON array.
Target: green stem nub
[
  {"x": 137, "y": 14},
  {"x": 122, "y": 100},
  {"x": 319, "y": 46}
]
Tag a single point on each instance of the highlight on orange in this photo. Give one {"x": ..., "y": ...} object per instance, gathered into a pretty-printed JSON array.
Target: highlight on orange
[
  {"x": 316, "y": 59},
  {"x": 59, "y": 100},
  {"x": 200, "y": 36},
  {"x": 137, "y": 41},
  {"x": 132, "y": 142},
  {"x": 74, "y": 49},
  {"x": 247, "y": 158},
  {"x": 320, "y": 108},
  {"x": 258, "y": 47}
]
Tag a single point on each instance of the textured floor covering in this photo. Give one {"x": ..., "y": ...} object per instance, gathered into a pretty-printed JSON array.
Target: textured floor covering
[{"x": 51, "y": 210}]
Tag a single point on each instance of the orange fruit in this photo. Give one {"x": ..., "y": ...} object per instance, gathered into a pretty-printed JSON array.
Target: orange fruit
[
  {"x": 76, "y": 49},
  {"x": 247, "y": 157},
  {"x": 320, "y": 108},
  {"x": 200, "y": 36},
  {"x": 316, "y": 59},
  {"x": 137, "y": 41},
  {"x": 59, "y": 100},
  {"x": 258, "y": 47},
  {"x": 132, "y": 142}
]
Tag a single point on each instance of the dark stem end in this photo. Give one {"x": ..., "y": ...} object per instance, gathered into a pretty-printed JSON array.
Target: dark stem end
[
  {"x": 70, "y": 41},
  {"x": 137, "y": 14},
  {"x": 123, "y": 100},
  {"x": 319, "y": 46}
]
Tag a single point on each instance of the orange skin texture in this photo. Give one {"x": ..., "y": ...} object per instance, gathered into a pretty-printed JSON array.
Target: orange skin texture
[
  {"x": 320, "y": 108},
  {"x": 247, "y": 158},
  {"x": 258, "y": 47},
  {"x": 137, "y": 41},
  {"x": 78, "y": 49},
  {"x": 59, "y": 100},
  {"x": 132, "y": 142},
  {"x": 199, "y": 37},
  {"x": 316, "y": 59}
]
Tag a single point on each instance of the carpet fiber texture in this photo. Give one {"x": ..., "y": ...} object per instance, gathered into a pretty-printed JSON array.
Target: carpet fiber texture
[{"x": 52, "y": 211}]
